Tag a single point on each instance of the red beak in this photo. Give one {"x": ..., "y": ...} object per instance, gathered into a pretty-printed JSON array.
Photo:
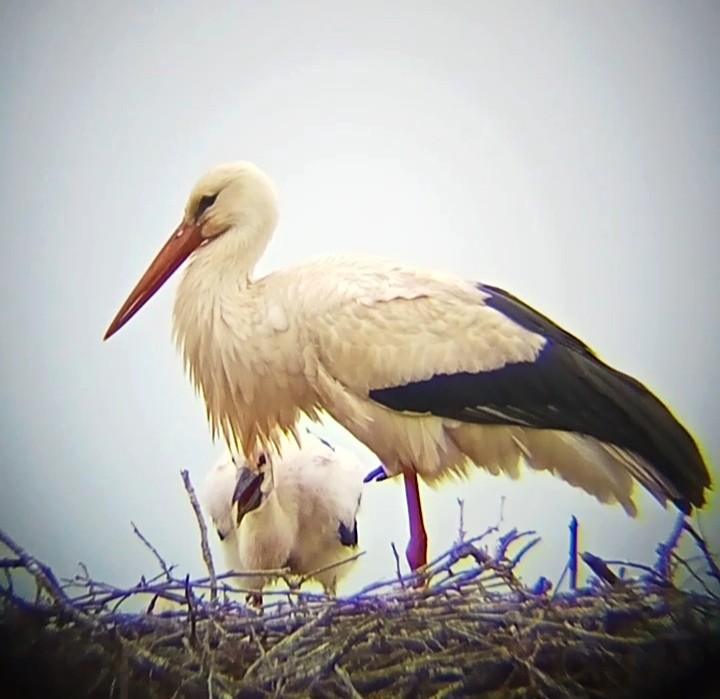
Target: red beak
[{"x": 186, "y": 238}]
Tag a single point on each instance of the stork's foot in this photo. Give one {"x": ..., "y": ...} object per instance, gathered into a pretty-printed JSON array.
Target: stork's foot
[
  {"x": 254, "y": 600},
  {"x": 416, "y": 551},
  {"x": 416, "y": 554}
]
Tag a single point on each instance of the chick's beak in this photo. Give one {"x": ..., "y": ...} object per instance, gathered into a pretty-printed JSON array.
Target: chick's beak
[
  {"x": 186, "y": 238},
  {"x": 247, "y": 492}
]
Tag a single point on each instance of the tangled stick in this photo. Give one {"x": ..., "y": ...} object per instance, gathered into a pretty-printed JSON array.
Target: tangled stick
[{"x": 475, "y": 628}]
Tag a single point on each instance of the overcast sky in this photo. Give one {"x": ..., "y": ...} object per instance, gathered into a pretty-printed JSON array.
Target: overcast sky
[{"x": 568, "y": 152}]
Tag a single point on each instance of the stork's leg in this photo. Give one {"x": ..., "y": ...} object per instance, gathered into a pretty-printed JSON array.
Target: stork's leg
[
  {"x": 254, "y": 600},
  {"x": 416, "y": 550}
]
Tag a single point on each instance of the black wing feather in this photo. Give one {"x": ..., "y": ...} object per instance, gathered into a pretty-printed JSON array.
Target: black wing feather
[
  {"x": 347, "y": 536},
  {"x": 566, "y": 388}
]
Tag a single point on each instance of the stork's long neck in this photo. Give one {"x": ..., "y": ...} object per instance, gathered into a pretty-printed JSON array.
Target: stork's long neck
[
  {"x": 229, "y": 258},
  {"x": 277, "y": 514},
  {"x": 218, "y": 273},
  {"x": 214, "y": 308}
]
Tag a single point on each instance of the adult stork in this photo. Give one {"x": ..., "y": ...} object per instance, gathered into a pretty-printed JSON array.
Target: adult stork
[
  {"x": 298, "y": 511},
  {"x": 430, "y": 371}
]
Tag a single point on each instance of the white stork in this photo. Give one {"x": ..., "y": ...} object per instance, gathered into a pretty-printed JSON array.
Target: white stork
[
  {"x": 297, "y": 511},
  {"x": 430, "y": 371}
]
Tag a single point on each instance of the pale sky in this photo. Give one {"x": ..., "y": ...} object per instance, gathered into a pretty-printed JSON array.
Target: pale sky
[{"x": 568, "y": 152}]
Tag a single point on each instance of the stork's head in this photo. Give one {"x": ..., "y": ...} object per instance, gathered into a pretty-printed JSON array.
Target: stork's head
[
  {"x": 233, "y": 482},
  {"x": 216, "y": 495},
  {"x": 236, "y": 203},
  {"x": 252, "y": 488}
]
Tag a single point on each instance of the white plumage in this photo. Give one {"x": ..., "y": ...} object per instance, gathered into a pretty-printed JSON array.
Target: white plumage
[
  {"x": 304, "y": 519},
  {"x": 431, "y": 372}
]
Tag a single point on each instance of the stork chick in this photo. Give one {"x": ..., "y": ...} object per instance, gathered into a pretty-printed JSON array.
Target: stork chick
[
  {"x": 432, "y": 372},
  {"x": 297, "y": 512}
]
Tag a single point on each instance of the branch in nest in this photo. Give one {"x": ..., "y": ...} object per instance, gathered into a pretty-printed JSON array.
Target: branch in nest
[
  {"x": 452, "y": 637},
  {"x": 397, "y": 564},
  {"x": 45, "y": 580},
  {"x": 207, "y": 557},
  {"x": 652, "y": 575},
  {"x": 713, "y": 567},
  {"x": 695, "y": 576},
  {"x": 600, "y": 568},
  {"x": 573, "y": 553},
  {"x": 504, "y": 542},
  {"x": 308, "y": 576},
  {"x": 665, "y": 550},
  {"x": 521, "y": 553},
  {"x": 153, "y": 550},
  {"x": 461, "y": 525}
]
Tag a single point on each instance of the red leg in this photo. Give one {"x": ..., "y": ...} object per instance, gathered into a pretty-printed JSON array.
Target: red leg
[{"x": 416, "y": 551}]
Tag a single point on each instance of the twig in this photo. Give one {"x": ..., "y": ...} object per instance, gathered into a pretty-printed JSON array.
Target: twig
[
  {"x": 560, "y": 580},
  {"x": 693, "y": 574},
  {"x": 314, "y": 647},
  {"x": 397, "y": 563},
  {"x": 501, "y": 516},
  {"x": 256, "y": 641},
  {"x": 714, "y": 570},
  {"x": 207, "y": 557},
  {"x": 504, "y": 543},
  {"x": 341, "y": 672},
  {"x": 461, "y": 525},
  {"x": 45, "y": 580},
  {"x": 288, "y": 640},
  {"x": 317, "y": 436},
  {"x": 9, "y": 589},
  {"x": 208, "y": 656},
  {"x": 211, "y": 695},
  {"x": 192, "y": 612},
  {"x": 308, "y": 576},
  {"x": 652, "y": 572},
  {"x": 573, "y": 553},
  {"x": 598, "y": 566},
  {"x": 12, "y": 563},
  {"x": 521, "y": 553},
  {"x": 153, "y": 550},
  {"x": 663, "y": 565}
]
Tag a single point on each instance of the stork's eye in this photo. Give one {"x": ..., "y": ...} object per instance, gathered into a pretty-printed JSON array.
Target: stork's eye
[{"x": 205, "y": 203}]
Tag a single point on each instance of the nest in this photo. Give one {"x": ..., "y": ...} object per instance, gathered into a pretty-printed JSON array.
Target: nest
[{"x": 466, "y": 627}]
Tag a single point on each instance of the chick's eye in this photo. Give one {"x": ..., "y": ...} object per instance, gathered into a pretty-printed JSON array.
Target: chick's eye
[
  {"x": 262, "y": 460},
  {"x": 205, "y": 203}
]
